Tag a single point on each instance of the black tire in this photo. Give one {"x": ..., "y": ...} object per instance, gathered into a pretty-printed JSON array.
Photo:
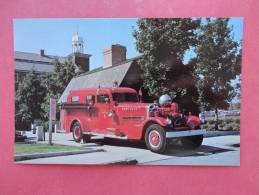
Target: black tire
[
  {"x": 155, "y": 138},
  {"x": 86, "y": 138},
  {"x": 77, "y": 132},
  {"x": 192, "y": 142}
]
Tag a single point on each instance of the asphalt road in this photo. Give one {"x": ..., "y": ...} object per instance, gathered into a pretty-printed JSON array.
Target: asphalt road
[{"x": 216, "y": 151}]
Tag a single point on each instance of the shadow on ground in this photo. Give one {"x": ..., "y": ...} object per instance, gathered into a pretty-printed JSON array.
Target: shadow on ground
[
  {"x": 173, "y": 149},
  {"x": 203, "y": 150}
]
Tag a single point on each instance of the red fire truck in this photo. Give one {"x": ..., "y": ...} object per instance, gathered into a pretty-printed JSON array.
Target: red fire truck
[{"x": 118, "y": 113}]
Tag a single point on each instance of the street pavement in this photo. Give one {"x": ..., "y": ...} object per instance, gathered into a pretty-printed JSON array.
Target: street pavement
[{"x": 216, "y": 151}]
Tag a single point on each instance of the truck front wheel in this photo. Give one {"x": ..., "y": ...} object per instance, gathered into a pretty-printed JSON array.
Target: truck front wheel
[
  {"x": 155, "y": 138},
  {"x": 77, "y": 132},
  {"x": 86, "y": 138},
  {"x": 192, "y": 142}
]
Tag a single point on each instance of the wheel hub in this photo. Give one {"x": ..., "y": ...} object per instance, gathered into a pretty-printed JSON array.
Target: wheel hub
[
  {"x": 77, "y": 132},
  {"x": 154, "y": 138}
]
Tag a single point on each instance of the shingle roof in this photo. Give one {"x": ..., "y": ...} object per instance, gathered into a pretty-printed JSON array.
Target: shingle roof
[
  {"x": 25, "y": 66},
  {"x": 37, "y": 57},
  {"x": 105, "y": 77},
  {"x": 25, "y": 61}
]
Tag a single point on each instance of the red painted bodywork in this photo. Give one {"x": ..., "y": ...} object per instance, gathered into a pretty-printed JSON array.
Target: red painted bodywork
[{"x": 121, "y": 119}]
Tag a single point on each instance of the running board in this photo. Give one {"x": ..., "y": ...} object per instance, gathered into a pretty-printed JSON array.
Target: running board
[
  {"x": 106, "y": 135},
  {"x": 173, "y": 134}
]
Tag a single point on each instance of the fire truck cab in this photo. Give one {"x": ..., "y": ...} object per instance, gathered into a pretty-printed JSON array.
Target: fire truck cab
[{"x": 118, "y": 113}]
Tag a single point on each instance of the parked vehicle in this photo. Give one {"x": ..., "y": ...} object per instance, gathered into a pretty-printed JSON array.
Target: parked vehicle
[{"x": 118, "y": 113}]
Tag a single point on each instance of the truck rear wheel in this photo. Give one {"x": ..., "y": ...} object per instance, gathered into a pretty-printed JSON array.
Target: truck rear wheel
[
  {"x": 77, "y": 132},
  {"x": 155, "y": 138},
  {"x": 192, "y": 142}
]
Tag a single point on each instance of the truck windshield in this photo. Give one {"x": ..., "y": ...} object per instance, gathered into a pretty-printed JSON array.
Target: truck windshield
[{"x": 125, "y": 97}]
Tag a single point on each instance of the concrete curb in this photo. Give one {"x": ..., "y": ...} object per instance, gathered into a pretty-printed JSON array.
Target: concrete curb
[
  {"x": 53, "y": 154},
  {"x": 220, "y": 133}
]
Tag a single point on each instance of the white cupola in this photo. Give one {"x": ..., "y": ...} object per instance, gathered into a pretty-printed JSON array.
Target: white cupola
[{"x": 77, "y": 44}]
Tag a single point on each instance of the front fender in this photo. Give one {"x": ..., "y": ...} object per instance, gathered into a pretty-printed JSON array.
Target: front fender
[
  {"x": 152, "y": 120},
  {"x": 159, "y": 120}
]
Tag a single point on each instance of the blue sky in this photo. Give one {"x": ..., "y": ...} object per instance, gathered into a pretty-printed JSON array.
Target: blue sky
[{"x": 54, "y": 35}]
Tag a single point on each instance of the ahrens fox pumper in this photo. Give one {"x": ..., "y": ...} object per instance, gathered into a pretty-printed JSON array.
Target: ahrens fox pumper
[{"x": 118, "y": 113}]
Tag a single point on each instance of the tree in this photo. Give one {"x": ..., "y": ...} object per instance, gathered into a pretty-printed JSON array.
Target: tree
[
  {"x": 57, "y": 82},
  {"x": 217, "y": 64},
  {"x": 237, "y": 82},
  {"x": 162, "y": 44},
  {"x": 29, "y": 96}
]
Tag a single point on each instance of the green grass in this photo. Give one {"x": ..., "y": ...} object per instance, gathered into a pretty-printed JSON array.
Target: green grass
[{"x": 42, "y": 148}]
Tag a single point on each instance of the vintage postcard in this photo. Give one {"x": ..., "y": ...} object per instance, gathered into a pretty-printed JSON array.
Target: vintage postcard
[{"x": 144, "y": 91}]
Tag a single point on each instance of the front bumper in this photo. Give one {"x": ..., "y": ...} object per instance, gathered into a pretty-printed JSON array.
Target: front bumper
[{"x": 174, "y": 134}]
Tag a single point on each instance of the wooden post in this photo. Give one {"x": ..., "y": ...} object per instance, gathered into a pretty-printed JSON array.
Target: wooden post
[
  {"x": 52, "y": 116},
  {"x": 50, "y": 131}
]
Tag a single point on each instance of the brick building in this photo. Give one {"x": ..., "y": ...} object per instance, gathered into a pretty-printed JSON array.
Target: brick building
[{"x": 42, "y": 63}]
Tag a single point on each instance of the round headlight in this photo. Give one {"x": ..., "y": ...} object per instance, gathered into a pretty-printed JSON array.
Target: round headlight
[{"x": 165, "y": 99}]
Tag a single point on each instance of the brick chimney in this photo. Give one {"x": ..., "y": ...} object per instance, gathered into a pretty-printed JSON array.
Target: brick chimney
[
  {"x": 42, "y": 52},
  {"x": 81, "y": 60},
  {"x": 113, "y": 55}
]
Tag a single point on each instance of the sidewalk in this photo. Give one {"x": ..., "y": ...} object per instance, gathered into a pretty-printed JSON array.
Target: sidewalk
[{"x": 220, "y": 133}]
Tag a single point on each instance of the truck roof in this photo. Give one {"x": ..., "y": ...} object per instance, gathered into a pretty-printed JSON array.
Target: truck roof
[
  {"x": 104, "y": 89},
  {"x": 81, "y": 93}
]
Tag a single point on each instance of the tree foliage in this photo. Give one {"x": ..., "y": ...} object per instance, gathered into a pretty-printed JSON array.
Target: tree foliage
[
  {"x": 162, "y": 44},
  {"x": 217, "y": 64},
  {"x": 237, "y": 84},
  {"x": 29, "y": 96},
  {"x": 56, "y": 83},
  {"x": 33, "y": 94}
]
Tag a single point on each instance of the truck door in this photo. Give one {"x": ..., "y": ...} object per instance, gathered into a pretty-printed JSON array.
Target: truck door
[
  {"x": 91, "y": 113},
  {"x": 107, "y": 124}
]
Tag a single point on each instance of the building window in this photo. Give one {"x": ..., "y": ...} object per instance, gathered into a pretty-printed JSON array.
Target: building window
[{"x": 17, "y": 77}]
